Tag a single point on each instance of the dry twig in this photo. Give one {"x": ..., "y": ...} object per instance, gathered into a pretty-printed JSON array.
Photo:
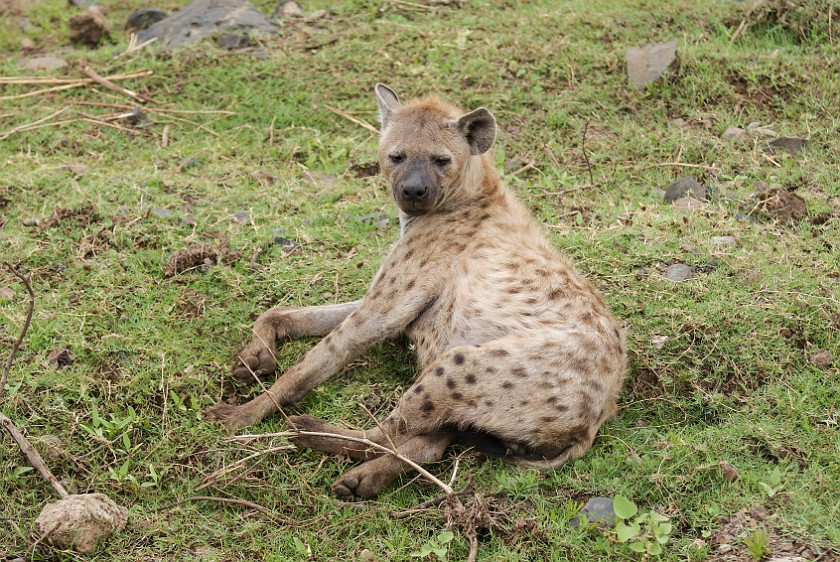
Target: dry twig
[
  {"x": 25, "y": 446},
  {"x": 31, "y": 125},
  {"x": 106, "y": 83},
  {"x": 586, "y": 156},
  {"x": 360, "y": 122},
  {"x": 214, "y": 477},
  {"x": 65, "y": 83}
]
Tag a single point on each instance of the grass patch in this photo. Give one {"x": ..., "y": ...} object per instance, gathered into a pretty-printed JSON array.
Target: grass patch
[{"x": 722, "y": 366}]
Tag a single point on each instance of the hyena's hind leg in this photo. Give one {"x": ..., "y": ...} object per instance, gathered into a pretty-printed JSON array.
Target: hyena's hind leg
[
  {"x": 366, "y": 480},
  {"x": 257, "y": 358}
]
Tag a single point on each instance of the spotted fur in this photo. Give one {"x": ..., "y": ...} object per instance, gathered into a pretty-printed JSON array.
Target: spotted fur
[{"x": 515, "y": 349}]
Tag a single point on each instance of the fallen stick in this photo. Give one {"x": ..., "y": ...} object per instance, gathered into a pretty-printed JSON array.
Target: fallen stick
[
  {"x": 10, "y": 132},
  {"x": 105, "y": 83},
  {"x": 235, "y": 501},
  {"x": 67, "y": 83},
  {"x": 16, "y": 346}
]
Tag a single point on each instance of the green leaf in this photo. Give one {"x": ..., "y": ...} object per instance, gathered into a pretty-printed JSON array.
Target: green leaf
[
  {"x": 126, "y": 441},
  {"x": 441, "y": 552},
  {"x": 655, "y": 548},
  {"x": 446, "y": 537},
  {"x": 626, "y": 532},
  {"x": 624, "y": 508},
  {"x": 637, "y": 546},
  {"x": 657, "y": 517},
  {"x": 664, "y": 529}
]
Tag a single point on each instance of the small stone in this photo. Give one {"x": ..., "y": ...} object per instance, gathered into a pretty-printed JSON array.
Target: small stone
[
  {"x": 31, "y": 222},
  {"x": 685, "y": 187},
  {"x": 162, "y": 213},
  {"x": 760, "y": 513},
  {"x": 232, "y": 41},
  {"x": 679, "y": 272},
  {"x": 80, "y": 521},
  {"x": 791, "y": 145},
  {"x": 27, "y": 43},
  {"x": 83, "y": 4},
  {"x": 138, "y": 117},
  {"x": 383, "y": 224},
  {"x": 287, "y": 245},
  {"x": 757, "y": 129},
  {"x": 735, "y": 134},
  {"x": 241, "y": 216},
  {"x": 7, "y": 293},
  {"x": 142, "y": 18},
  {"x": 728, "y": 471},
  {"x": 47, "y": 64},
  {"x": 90, "y": 27},
  {"x": 189, "y": 220},
  {"x": 289, "y": 9},
  {"x": 59, "y": 358},
  {"x": 367, "y": 556},
  {"x": 724, "y": 241},
  {"x": 821, "y": 357},
  {"x": 649, "y": 63},
  {"x": 596, "y": 510},
  {"x": 264, "y": 177},
  {"x": 725, "y": 548}
]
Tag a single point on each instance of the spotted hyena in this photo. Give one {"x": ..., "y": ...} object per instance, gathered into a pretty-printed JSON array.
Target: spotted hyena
[{"x": 515, "y": 349}]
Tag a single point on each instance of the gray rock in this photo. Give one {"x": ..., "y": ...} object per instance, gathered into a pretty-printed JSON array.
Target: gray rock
[
  {"x": 724, "y": 241},
  {"x": 241, "y": 216},
  {"x": 649, "y": 63},
  {"x": 733, "y": 134},
  {"x": 189, "y": 220},
  {"x": 791, "y": 145},
  {"x": 143, "y": 18},
  {"x": 162, "y": 213},
  {"x": 204, "y": 17},
  {"x": 83, "y": 4},
  {"x": 821, "y": 357},
  {"x": 685, "y": 187},
  {"x": 596, "y": 510},
  {"x": 679, "y": 272},
  {"x": 233, "y": 41},
  {"x": 48, "y": 64}
]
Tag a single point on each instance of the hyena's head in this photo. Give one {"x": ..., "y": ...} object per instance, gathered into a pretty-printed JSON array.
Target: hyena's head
[{"x": 425, "y": 147}]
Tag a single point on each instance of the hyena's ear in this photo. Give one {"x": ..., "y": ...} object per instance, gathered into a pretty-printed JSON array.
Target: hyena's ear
[
  {"x": 479, "y": 128},
  {"x": 388, "y": 103}
]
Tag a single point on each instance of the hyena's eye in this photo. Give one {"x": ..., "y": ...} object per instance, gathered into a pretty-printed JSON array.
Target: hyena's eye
[
  {"x": 441, "y": 160},
  {"x": 396, "y": 158}
]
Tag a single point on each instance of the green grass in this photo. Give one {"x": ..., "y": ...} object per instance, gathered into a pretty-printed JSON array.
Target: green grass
[{"x": 732, "y": 383}]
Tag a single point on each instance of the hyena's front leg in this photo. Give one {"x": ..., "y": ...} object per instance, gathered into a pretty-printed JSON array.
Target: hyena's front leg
[
  {"x": 257, "y": 358},
  {"x": 378, "y": 317}
]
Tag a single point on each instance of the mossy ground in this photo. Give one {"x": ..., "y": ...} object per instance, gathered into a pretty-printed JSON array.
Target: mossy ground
[{"x": 721, "y": 368}]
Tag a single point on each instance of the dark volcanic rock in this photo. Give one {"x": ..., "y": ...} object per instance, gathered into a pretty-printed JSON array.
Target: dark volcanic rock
[
  {"x": 791, "y": 145},
  {"x": 143, "y": 18},
  {"x": 205, "y": 17},
  {"x": 233, "y": 41},
  {"x": 649, "y": 63},
  {"x": 685, "y": 187}
]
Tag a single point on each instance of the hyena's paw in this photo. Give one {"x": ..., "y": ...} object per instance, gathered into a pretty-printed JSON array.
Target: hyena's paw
[
  {"x": 359, "y": 483},
  {"x": 255, "y": 360},
  {"x": 231, "y": 416}
]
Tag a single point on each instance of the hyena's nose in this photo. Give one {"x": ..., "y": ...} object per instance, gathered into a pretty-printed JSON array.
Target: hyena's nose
[{"x": 414, "y": 191}]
